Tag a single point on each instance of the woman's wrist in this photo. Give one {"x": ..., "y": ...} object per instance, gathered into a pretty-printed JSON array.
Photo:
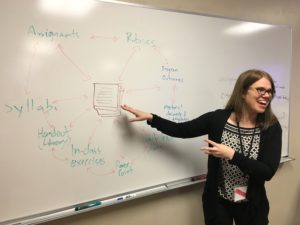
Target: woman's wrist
[
  {"x": 149, "y": 118},
  {"x": 230, "y": 154}
]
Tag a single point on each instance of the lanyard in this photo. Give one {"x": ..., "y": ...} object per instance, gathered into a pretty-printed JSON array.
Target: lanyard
[{"x": 241, "y": 142}]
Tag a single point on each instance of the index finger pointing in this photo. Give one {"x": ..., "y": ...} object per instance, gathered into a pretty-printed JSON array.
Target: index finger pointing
[{"x": 211, "y": 142}]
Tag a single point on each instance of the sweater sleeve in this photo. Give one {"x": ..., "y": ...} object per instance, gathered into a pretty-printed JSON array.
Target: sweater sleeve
[
  {"x": 268, "y": 161},
  {"x": 189, "y": 129}
]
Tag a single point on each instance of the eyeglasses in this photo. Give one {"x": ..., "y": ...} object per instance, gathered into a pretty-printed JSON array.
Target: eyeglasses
[{"x": 262, "y": 91}]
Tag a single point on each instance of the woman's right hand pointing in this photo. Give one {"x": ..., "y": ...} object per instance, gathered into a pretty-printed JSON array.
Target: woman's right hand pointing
[{"x": 139, "y": 115}]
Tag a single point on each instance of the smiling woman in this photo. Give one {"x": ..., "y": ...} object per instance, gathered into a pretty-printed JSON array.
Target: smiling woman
[
  {"x": 64, "y": 77},
  {"x": 244, "y": 150},
  {"x": 252, "y": 108}
]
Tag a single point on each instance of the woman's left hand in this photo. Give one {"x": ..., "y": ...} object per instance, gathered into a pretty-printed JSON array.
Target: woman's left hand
[{"x": 218, "y": 150}]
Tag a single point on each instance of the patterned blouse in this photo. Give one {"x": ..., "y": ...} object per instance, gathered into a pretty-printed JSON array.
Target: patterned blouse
[{"x": 231, "y": 176}]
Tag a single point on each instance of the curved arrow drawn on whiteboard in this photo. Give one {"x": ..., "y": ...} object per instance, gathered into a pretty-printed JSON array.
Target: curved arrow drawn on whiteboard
[
  {"x": 84, "y": 97},
  {"x": 28, "y": 78},
  {"x": 157, "y": 50},
  {"x": 85, "y": 76},
  {"x": 174, "y": 94},
  {"x": 91, "y": 171},
  {"x": 113, "y": 38},
  {"x": 135, "y": 50},
  {"x": 53, "y": 150},
  {"x": 94, "y": 131},
  {"x": 155, "y": 88},
  {"x": 80, "y": 115},
  {"x": 46, "y": 114}
]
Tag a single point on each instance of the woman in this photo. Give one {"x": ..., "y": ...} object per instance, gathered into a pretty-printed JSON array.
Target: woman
[{"x": 244, "y": 150}]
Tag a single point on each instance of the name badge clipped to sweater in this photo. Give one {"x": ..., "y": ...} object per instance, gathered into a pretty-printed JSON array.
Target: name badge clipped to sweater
[{"x": 239, "y": 193}]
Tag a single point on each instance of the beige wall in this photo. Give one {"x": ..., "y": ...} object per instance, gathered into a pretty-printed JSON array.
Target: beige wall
[{"x": 183, "y": 206}]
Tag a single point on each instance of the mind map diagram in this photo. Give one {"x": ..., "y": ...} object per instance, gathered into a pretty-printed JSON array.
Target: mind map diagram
[{"x": 103, "y": 99}]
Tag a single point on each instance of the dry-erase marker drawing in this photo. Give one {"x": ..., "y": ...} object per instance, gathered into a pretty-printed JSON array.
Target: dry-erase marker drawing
[
  {"x": 107, "y": 99},
  {"x": 65, "y": 76}
]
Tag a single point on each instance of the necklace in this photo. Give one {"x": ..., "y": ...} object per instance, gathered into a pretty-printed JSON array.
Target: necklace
[{"x": 241, "y": 141}]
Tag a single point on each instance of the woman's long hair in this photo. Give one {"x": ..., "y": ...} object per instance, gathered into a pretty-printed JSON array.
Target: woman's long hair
[{"x": 236, "y": 101}]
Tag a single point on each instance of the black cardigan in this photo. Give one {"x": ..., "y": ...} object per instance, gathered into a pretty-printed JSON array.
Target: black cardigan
[{"x": 259, "y": 171}]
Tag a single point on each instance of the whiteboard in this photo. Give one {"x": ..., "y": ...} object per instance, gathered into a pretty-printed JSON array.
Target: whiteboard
[{"x": 65, "y": 70}]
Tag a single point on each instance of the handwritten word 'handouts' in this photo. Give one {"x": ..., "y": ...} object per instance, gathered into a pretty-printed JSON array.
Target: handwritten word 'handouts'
[
  {"x": 54, "y": 137},
  {"x": 86, "y": 156},
  {"x": 123, "y": 168},
  {"x": 30, "y": 105},
  {"x": 50, "y": 34},
  {"x": 134, "y": 38}
]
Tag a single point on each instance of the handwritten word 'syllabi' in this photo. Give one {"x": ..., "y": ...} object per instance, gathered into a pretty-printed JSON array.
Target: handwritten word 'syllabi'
[
  {"x": 30, "y": 105},
  {"x": 32, "y": 30}
]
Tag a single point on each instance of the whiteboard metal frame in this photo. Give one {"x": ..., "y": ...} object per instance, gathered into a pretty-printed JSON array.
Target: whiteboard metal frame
[
  {"x": 113, "y": 200},
  {"x": 70, "y": 211}
]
